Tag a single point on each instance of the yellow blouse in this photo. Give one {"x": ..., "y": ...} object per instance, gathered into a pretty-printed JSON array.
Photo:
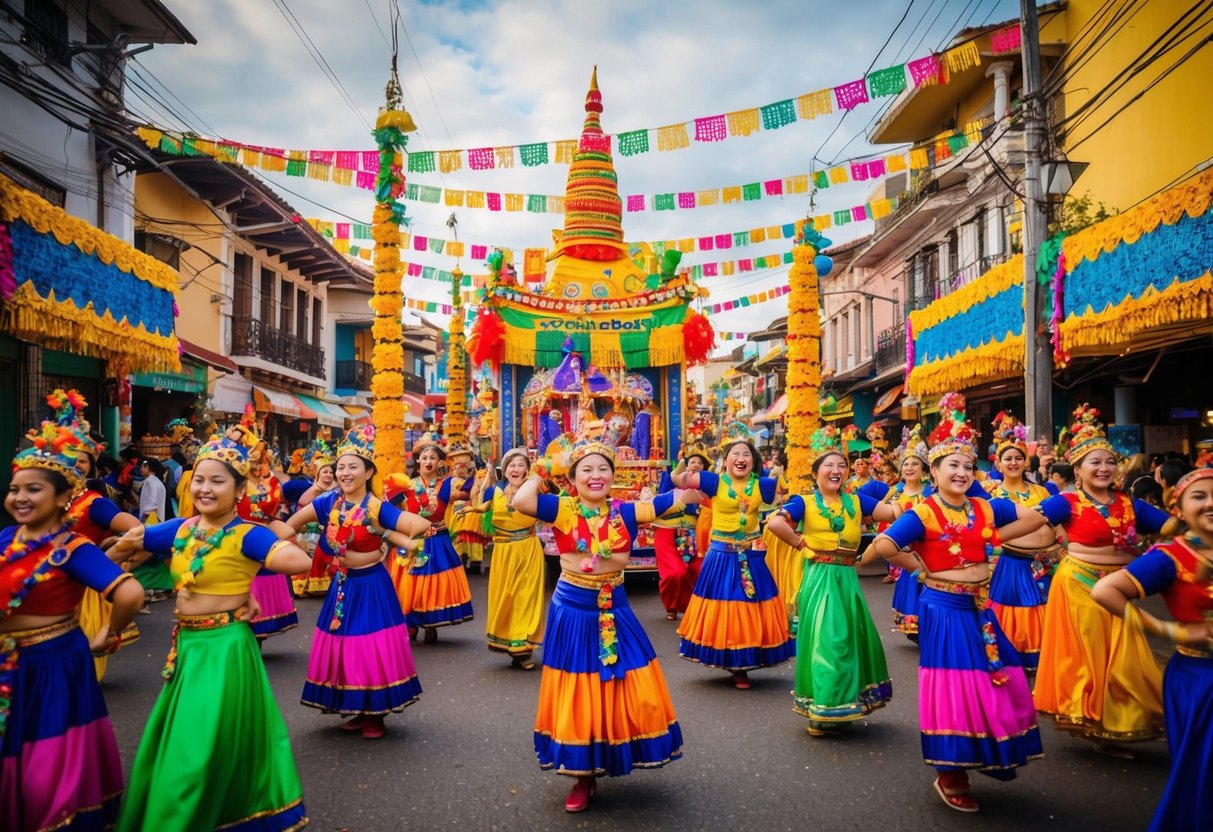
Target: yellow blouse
[{"x": 818, "y": 535}]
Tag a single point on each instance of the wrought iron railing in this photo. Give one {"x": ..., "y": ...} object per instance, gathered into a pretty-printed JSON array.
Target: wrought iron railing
[
  {"x": 414, "y": 383},
  {"x": 969, "y": 273},
  {"x": 353, "y": 375},
  {"x": 891, "y": 347},
  {"x": 251, "y": 336}
]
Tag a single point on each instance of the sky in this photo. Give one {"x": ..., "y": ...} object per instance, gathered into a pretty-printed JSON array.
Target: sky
[{"x": 506, "y": 72}]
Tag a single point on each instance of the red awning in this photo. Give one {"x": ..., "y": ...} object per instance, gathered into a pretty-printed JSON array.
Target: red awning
[
  {"x": 435, "y": 399},
  {"x": 219, "y": 362}
]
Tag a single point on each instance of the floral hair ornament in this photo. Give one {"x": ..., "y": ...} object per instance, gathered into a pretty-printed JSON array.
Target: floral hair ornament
[
  {"x": 824, "y": 441},
  {"x": 914, "y": 445},
  {"x": 1087, "y": 434},
  {"x": 689, "y": 451},
  {"x": 590, "y": 442},
  {"x": 876, "y": 436},
  {"x": 458, "y": 447},
  {"x": 1009, "y": 433},
  {"x": 428, "y": 442},
  {"x": 1186, "y": 480},
  {"x": 228, "y": 451},
  {"x": 179, "y": 430},
  {"x": 69, "y": 406},
  {"x": 734, "y": 433},
  {"x": 56, "y": 448},
  {"x": 359, "y": 441},
  {"x": 953, "y": 434}
]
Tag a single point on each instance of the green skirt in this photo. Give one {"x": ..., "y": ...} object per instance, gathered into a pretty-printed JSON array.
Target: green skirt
[
  {"x": 153, "y": 575},
  {"x": 841, "y": 673},
  {"x": 215, "y": 751}
]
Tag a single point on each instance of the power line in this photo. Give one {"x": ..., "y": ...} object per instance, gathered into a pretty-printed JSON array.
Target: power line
[{"x": 314, "y": 52}]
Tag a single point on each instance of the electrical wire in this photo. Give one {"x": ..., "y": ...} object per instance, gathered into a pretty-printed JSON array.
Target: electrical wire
[{"x": 314, "y": 52}]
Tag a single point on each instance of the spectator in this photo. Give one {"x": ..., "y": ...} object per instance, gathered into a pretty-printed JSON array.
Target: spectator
[
  {"x": 152, "y": 495},
  {"x": 1168, "y": 473},
  {"x": 1147, "y": 488},
  {"x": 1061, "y": 474}
]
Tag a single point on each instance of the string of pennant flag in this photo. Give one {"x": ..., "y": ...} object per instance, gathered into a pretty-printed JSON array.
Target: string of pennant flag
[
  {"x": 345, "y": 235},
  {"x": 359, "y": 167},
  {"x": 924, "y": 157}
]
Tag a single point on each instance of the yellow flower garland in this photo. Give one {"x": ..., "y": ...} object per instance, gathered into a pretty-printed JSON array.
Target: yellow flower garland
[
  {"x": 992, "y": 361},
  {"x": 387, "y": 359},
  {"x": 996, "y": 280},
  {"x": 804, "y": 366},
  {"x": 1115, "y": 326}
]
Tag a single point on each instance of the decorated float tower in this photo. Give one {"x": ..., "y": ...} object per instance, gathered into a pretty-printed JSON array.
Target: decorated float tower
[{"x": 605, "y": 339}]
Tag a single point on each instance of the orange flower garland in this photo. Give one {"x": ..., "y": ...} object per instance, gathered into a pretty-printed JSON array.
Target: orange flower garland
[{"x": 804, "y": 366}]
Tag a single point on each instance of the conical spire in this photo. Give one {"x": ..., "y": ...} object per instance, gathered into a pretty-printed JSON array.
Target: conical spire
[{"x": 593, "y": 210}]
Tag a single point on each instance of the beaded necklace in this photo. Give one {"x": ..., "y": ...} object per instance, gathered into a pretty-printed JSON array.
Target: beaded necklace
[
  {"x": 338, "y": 531},
  {"x": 427, "y": 496},
  {"x": 1124, "y": 533},
  {"x": 600, "y": 547},
  {"x": 836, "y": 519},
  {"x": 950, "y": 532},
  {"x": 743, "y": 505},
  {"x": 195, "y": 545}
]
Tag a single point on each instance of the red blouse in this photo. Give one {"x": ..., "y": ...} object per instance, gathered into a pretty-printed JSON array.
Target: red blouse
[
  {"x": 1172, "y": 569},
  {"x": 261, "y": 502}
]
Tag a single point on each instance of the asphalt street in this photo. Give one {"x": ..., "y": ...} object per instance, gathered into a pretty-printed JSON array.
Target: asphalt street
[{"x": 462, "y": 758}]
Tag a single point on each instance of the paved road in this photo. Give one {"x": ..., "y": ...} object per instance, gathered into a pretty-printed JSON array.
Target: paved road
[{"x": 462, "y": 758}]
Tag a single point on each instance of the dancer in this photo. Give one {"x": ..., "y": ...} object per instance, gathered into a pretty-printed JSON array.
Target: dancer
[
  {"x": 736, "y": 620},
  {"x": 912, "y": 489},
  {"x": 59, "y": 765},
  {"x": 974, "y": 705},
  {"x": 433, "y": 589},
  {"x": 260, "y": 504},
  {"x": 604, "y": 708},
  {"x": 361, "y": 664},
  {"x": 1019, "y": 585},
  {"x": 215, "y": 751},
  {"x": 316, "y": 580},
  {"x": 467, "y": 536},
  {"x": 1097, "y": 681},
  {"x": 841, "y": 673},
  {"x": 1181, "y": 570},
  {"x": 675, "y": 543},
  {"x": 94, "y": 516},
  {"x": 515, "y": 617}
]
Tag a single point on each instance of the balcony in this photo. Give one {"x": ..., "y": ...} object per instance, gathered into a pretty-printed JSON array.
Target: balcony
[
  {"x": 891, "y": 347},
  {"x": 254, "y": 337},
  {"x": 414, "y": 383},
  {"x": 354, "y": 375}
]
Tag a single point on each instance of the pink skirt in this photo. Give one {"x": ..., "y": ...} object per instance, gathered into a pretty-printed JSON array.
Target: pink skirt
[{"x": 273, "y": 592}]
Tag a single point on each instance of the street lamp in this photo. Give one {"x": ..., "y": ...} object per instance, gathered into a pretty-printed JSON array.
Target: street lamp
[{"x": 1060, "y": 175}]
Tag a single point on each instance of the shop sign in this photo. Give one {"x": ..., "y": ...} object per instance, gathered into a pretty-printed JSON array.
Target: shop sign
[{"x": 192, "y": 379}]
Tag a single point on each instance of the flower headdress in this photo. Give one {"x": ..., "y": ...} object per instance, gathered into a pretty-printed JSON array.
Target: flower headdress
[
  {"x": 1009, "y": 432},
  {"x": 733, "y": 433},
  {"x": 826, "y": 440},
  {"x": 428, "y": 441},
  {"x": 360, "y": 442},
  {"x": 914, "y": 445},
  {"x": 1087, "y": 434},
  {"x": 69, "y": 406},
  {"x": 1187, "y": 479},
  {"x": 320, "y": 455},
  {"x": 227, "y": 450},
  {"x": 54, "y": 447},
  {"x": 458, "y": 447},
  {"x": 690, "y": 450},
  {"x": 953, "y": 434},
  {"x": 875, "y": 435},
  {"x": 589, "y": 441},
  {"x": 179, "y": 430}
]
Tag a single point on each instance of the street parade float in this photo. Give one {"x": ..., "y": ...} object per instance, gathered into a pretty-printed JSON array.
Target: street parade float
[{"x": 597, "y": 337}]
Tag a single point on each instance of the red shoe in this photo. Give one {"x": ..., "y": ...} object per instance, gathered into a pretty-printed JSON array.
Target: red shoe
[
  {"x": 372, "y": 728},
  {"x": 956, "y": 797},
  {"x": 579, "y": 796},
  {"x": 741, "y": 680},
  {"x": 354, "y": 724}
]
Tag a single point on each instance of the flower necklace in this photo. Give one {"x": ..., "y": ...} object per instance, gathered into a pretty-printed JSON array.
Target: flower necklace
[
  {"x": 338, "y": 532},
  {"x": 600, "y": 547},
  {"x": 1124, "y": 532},
  {"x": 743, "y": 504},
  {"x": 427, "y": 496},
  {"x": 195, "y": 543},
  {"x": 836, "y": 519},
  {"x": 951, "y": 532}
]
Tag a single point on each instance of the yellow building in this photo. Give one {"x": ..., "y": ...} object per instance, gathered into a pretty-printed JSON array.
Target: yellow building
[{"x": 1135, "y": 146}]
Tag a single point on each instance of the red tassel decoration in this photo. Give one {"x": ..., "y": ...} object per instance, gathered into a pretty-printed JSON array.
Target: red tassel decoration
[
  {"x": 698, "y": 338},
  {"x": 487, "y": 341}
]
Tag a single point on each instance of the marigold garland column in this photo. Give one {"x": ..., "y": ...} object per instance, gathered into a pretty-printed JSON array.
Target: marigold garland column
[
  {"x": 804, "y": 359},
  {"x": 455, "y": 425},
  {"x": 387, "y": 360}
]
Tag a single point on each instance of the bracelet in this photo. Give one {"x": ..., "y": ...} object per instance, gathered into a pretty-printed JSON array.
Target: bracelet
[{"x": 800, "y": 542}]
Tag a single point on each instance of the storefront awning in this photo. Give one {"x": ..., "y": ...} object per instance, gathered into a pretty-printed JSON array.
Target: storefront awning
[
  {"x": 231, "y": 393},
  {"x": 326, "y": 414},
  {"x": 357, "y": 412},
  {"x": 191, "y": 379},
  {"x": 773, "y": 413},
  {"x": 280, "y": 402},
  {"x": 843, "y": 408},
  {"x": 214, "y": 359},
  {"x": 889, "y": 399}
]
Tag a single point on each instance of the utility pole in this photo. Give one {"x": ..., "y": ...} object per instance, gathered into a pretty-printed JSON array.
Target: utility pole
[{"x": 1038, "y": 364}]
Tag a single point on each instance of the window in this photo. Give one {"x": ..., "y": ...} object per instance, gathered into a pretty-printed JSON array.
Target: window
[
  {"x": 242, "y": 307},
  {"x": 31, "y": 180},
  {"x": 46, "y": 30},
  {"x": 286, "y": 311},
  {"x": 845, "y": 352},
  {"x": 317, "y": 323},
  {"x": 979, "y": 226},
  {"x": 165, "y": 248},
  {"x": 269, "y": 286},
  {"x": 301, "y": 306},
  {"x": 953, "y": 253},
  {"x": 857, "y": 335}
]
